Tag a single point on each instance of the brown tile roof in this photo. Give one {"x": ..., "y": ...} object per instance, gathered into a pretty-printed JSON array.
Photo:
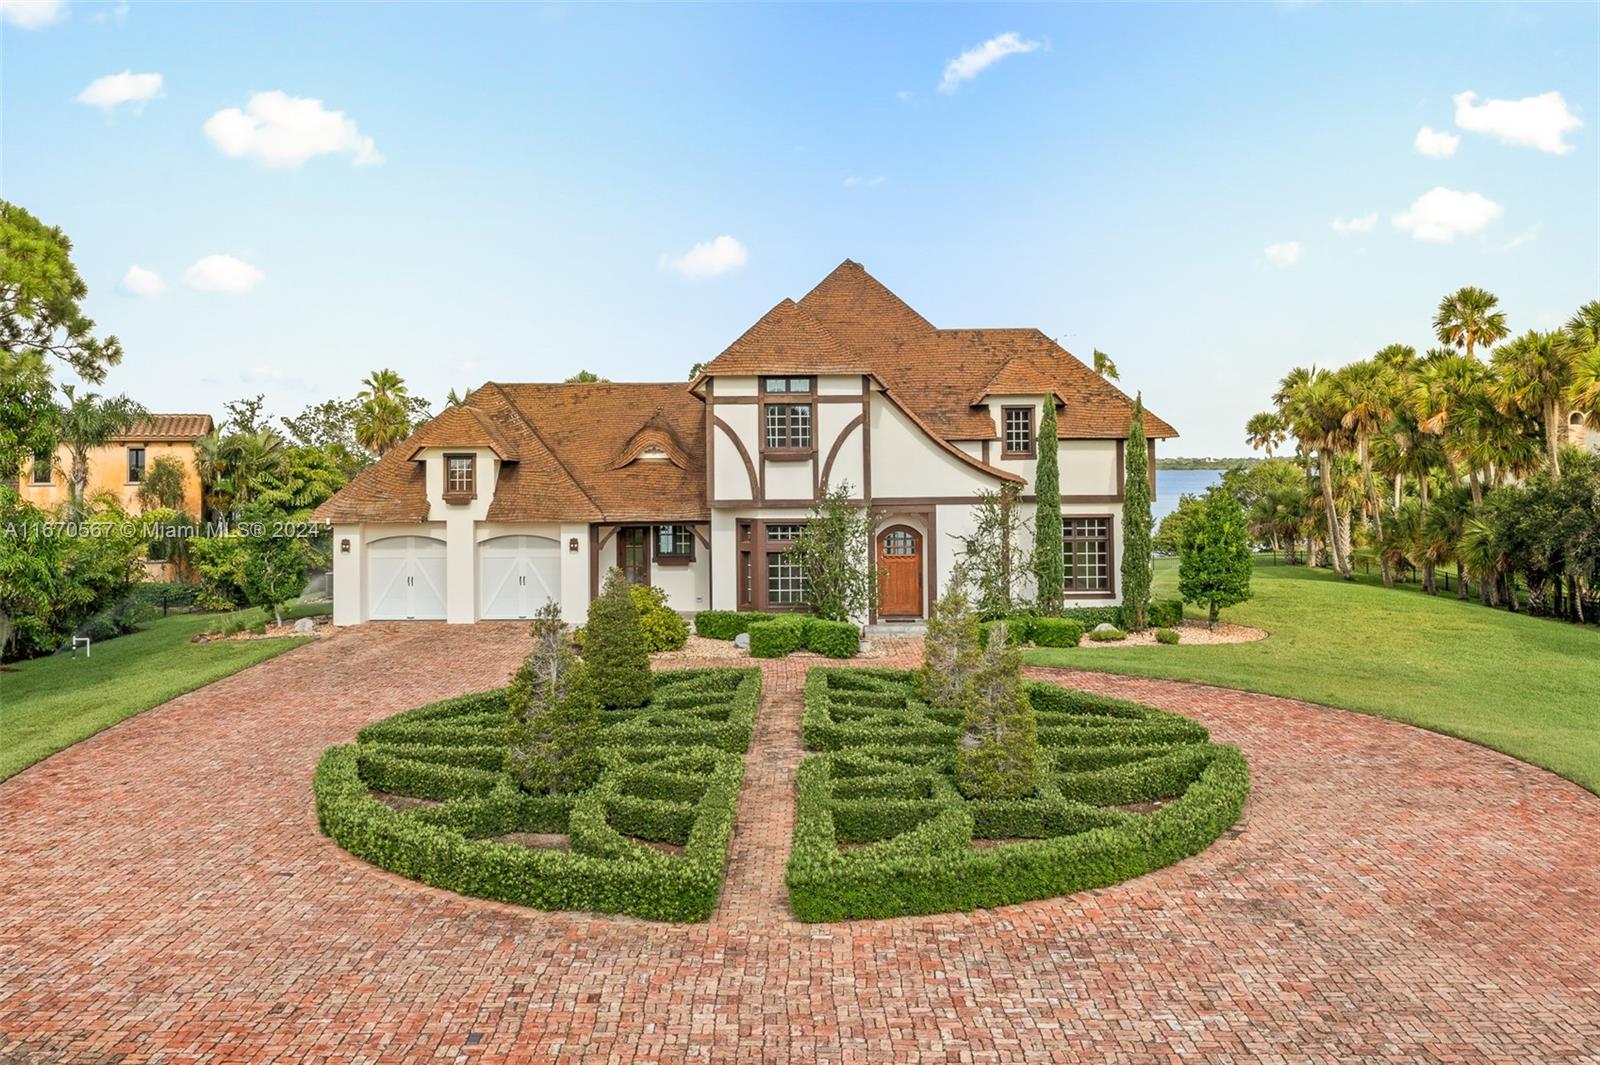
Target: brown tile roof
[
  {"x": 390, "y": 489},
  {"x": 462, "y": 426},
  {"x": 173, "y": 427},
  {"x": 942, "y": 375}
]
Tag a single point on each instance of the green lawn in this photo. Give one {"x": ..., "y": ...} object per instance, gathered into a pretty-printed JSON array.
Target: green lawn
[
  {"x": 48, "y": 704},
  {"x": 1527, "y": 686}
]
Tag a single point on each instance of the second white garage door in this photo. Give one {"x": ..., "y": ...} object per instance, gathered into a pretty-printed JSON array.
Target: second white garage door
[{"x": 517, "y": 575}]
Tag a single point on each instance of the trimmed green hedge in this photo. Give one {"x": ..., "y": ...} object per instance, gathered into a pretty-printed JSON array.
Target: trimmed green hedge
[
  {"x": 836, "y": 639},
  {"x": 881, "y": 830},
  {"x": 672, "y": 774},
  {"x": 775, "y": 635},
  {"x": 1056, "y": 632},
  {"x": 1165, "y": 613},
  {"x": 725, "y": 624}
]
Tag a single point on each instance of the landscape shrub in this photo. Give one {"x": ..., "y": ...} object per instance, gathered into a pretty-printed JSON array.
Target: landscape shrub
[
  {"x": 1056, "y": 632},
  {"x": 836, "y": 639},
  {"x": 663, "y": 628},
  {"x": 777, "y": 635},
  {"x": 613, "y": 646},
  {"x": 1018, "y": 628},
  {"x": 997, "y": 751},
  {"x": 882, "y": 829},
  {"x": 1166, "y": 636},
  {"x": 1165, "y": 613},
  {"x": 1090, "y": 616},
  {"x": 1107, "y": 635},
  {"x": 950, "y": 648},
  {"x": 554, "y": 717},
  {"x": 659, "y": 783},
  {"x": 726, "y": 624}
]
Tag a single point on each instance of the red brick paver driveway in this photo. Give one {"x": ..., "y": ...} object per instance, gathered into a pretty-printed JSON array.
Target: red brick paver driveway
[{"x": 1392, "y": 895}]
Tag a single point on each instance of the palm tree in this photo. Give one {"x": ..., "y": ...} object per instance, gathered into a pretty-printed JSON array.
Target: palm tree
[
  {"x": 1104, "y": 366},
  {"x": 87, "y": 422},
  {"x": 1442, "y": 532},
  {"x": 1535, "y": 374},
  {"x": 1481, "y": 554},
  {"x": 1265, "y": 431},
  {"x": 1467, "y": 318},
  {"x": 457, "y": 399},
  {"x": 382, "y": 418},
  {"x": 248, "y": 457},
  {"x": 1312, "y": 409},
  {"x": 1583, "y": 344},
  {"x": 1366, "y": 392}
]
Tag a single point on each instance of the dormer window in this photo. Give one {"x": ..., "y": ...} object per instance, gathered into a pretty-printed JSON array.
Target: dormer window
[
  {"x": 460, "y": 478},
  {"x": 1016, "y": 432},
  {"x": 786, "y": 423}
]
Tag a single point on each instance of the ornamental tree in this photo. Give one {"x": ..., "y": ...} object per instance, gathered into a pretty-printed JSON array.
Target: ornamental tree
[
  {"x": 996, "y": 552},
  {"x": 1136, "y": 523},
  {"x": 162, "y": 487},
  {"x": 553, "y": 743},
  {"x": 1214, "y": 563},
  {"x": 613, "y": 646},
  {"x": 1049, "y": 570},
  {"x": 950, "y": 648},
  {"x": 834, "y": 549},
  {"x": 997, "y": 751}
]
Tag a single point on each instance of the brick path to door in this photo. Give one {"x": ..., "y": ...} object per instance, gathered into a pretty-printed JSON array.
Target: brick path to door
[{"x": 1393, "y": 894}]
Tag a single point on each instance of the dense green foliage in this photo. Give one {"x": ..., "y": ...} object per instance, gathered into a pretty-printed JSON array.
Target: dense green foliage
[
  {"x": 614, "y": 648},
  {"x": 726, "y": 624},
  {"x": 1521, "y": 685},
  {"x": 949, "y": 649},
  {"x": 1055, "y": 632},
  {"x": 162, "y": 487},
  {"x": 882, "y": 830},
  {"x": 996, "y": 554},
  {"x": 1099, "y": 635},
  {"x": 1167, "y": 636},
  {"x": 997, "y": 750},
  {"x": 52, "y": 703},
  {"x": 1049, "y": 565},
  {"x": 1073, "y": 622},
  {"x": 662, "y": 627},
  {"x": 834, "y": 549},
  {"x": 1169, "y": 534},
  {"x": 649, "y": 838},
  {"x": 777, "y": 636},
  {"x": 1215, "y": 562},
  {"x": 551, "y": 744},
  {"x": 1136, "y": 523}
]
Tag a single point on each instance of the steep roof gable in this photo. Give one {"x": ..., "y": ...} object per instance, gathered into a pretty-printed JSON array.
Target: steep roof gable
[{"x": 786, "y": 339}]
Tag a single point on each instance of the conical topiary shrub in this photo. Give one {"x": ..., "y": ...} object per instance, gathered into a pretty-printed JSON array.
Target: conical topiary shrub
[
  {"x": 950, "y": 648},
  {"x": 552, "y": 746},
  {"x": 613, "y": 647},
  {"x": 997, "y": 751}
]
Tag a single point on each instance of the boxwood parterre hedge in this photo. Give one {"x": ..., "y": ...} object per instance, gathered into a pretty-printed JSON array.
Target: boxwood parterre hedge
[
  {"x": 672, "y": 774},
  {"x": 881, "y": 830}
]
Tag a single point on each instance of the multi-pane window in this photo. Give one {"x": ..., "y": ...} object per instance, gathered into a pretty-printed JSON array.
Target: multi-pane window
[
  {"x": 135, "y": 465},
  {"x": 460, "y": 478},
  {"x": 783, "y": 532},
  {"x": 789, "y": 426},
  {"x": 786, "y": 385},
  {"x": 899, "y": 543},
  {"x": 674, "y": 542},
  {"x": 1086, "y": 550},
  {"x": 41, "y": 467},
  {"x": 1017, "y": 430},
  {"x": 786, "y": 580}
]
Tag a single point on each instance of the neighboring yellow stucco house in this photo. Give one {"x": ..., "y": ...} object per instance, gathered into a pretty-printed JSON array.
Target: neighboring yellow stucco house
[{"x": 118, "y": 468}]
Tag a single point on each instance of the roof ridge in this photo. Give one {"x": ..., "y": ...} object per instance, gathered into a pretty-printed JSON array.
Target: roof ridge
[{"x": 565, "y": 471}]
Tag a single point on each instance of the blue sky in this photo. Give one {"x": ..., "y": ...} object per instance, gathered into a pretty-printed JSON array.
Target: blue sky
[{"x": 507, "y": 188}]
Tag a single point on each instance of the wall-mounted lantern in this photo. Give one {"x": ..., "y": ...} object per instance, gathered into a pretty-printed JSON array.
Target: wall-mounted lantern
[
  {"x": 344, "y": 546},
  {"x": 572, "y": 545}
]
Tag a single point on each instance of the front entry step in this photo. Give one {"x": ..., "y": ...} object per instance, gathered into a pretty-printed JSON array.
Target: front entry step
[{"x": 897, "y": 628}]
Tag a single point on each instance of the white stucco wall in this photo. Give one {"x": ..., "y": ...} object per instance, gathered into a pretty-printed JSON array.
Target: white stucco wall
[
  {"x": 732, "y": 480},
  {"x": 906, "y": 463}
]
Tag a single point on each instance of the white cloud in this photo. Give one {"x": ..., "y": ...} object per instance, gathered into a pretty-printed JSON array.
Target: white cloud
[
  {"x": 869, "y": 182},
  {"x": 32, "y": 14},
  {"x": 1540, "y": 122},
  {"x": 1365, "y": 223},
  {"x": 713, "y": 257},
  {"x": 277, "y": 129},
  {"x": 975, "y": 61},
  {"x": 1284, "y": 254},
  {"x": 125, "y": 88},
  {"x": 1435, "y": 142},
  {"x": 141, "y": 282},
  {"x": 222, "y": 273},
  {"x": 1441, "y": 215}
]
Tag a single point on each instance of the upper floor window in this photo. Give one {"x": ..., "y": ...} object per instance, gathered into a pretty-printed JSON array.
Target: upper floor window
[
  {"x": 783, "y": 532},
  {"x": 788, "y": 426},
  {"x": 1017, "y": 431},
  {"x": 41, "y": 467},
  {"x": 460, "y": 477},
  {"x": 1086, "y": 550},
  {"x": 674, "y": 543},
  {"x": 135, "y": 465},
  {"x": 786, "y": 385}
]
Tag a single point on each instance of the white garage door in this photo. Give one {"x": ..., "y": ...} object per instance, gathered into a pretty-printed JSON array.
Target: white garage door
[
  {"x": 517, "y": 575},
  {"x": 406, "y": 575}
]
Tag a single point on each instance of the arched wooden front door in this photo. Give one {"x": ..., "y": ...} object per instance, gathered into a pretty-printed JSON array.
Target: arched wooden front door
[{"x": 900, "y": 572}]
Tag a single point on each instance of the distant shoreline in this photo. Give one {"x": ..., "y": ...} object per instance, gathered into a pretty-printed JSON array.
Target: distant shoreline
[{"x": 1180, "y": 463}]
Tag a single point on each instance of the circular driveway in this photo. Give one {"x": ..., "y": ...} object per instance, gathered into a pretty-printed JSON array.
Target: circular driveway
[{"x": 1389, "y": 893}]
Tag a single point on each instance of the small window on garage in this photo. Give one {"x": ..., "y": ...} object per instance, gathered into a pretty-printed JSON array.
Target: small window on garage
[{"x": 460, "y": 478}]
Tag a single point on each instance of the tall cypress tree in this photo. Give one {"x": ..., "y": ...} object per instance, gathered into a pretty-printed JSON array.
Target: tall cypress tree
[
  {"x": 1048, "y": 571},
  {"x": 1136, "y": 524}
]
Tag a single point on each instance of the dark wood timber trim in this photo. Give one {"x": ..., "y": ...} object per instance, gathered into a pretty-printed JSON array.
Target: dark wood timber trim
[
  {"x": 866, "y": 438},
  {"x": 838, "y": 442},
  {"x": 594, "y": 561},
  {"x": 1122, "y": 471},
  {"x": 711, "y": 439},
  {"x": 1111, "y": 560},
  {"x": 1033, "y": 432},
  {"x": 840, "y": 397},
  {"x": 744, "y": 453},
  {"x": 1151, "y": 444}
]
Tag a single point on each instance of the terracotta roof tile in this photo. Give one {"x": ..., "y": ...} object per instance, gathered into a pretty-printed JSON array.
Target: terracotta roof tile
[
  {"x": 390, "y": 489},
  {"x": 786, "y": 338},
  {"x": 463, "y": 426},
  {"x": 166, "y": 427}
]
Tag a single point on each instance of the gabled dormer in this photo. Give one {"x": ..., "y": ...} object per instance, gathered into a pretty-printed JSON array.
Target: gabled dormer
[{"x": 462, "y": 452}]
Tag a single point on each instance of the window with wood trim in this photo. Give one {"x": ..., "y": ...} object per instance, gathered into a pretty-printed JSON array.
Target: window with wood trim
[
  {"x": 135, "y": 465},
  {"x": 1086, "y": 552},
  {"x": 43, "y": 471},
  {"x": 786, "y": 385},
  {"x": 460, "y": 478},
  {"x": 787, "y": 426},
  {"x": 785, "y": 580},
  {"x": 1016, "y": 432},
  {"x": 674, "y": 543}
]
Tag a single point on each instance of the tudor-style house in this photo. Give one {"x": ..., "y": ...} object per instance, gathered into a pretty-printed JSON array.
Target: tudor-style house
[{"x": 529, "y": 492}]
